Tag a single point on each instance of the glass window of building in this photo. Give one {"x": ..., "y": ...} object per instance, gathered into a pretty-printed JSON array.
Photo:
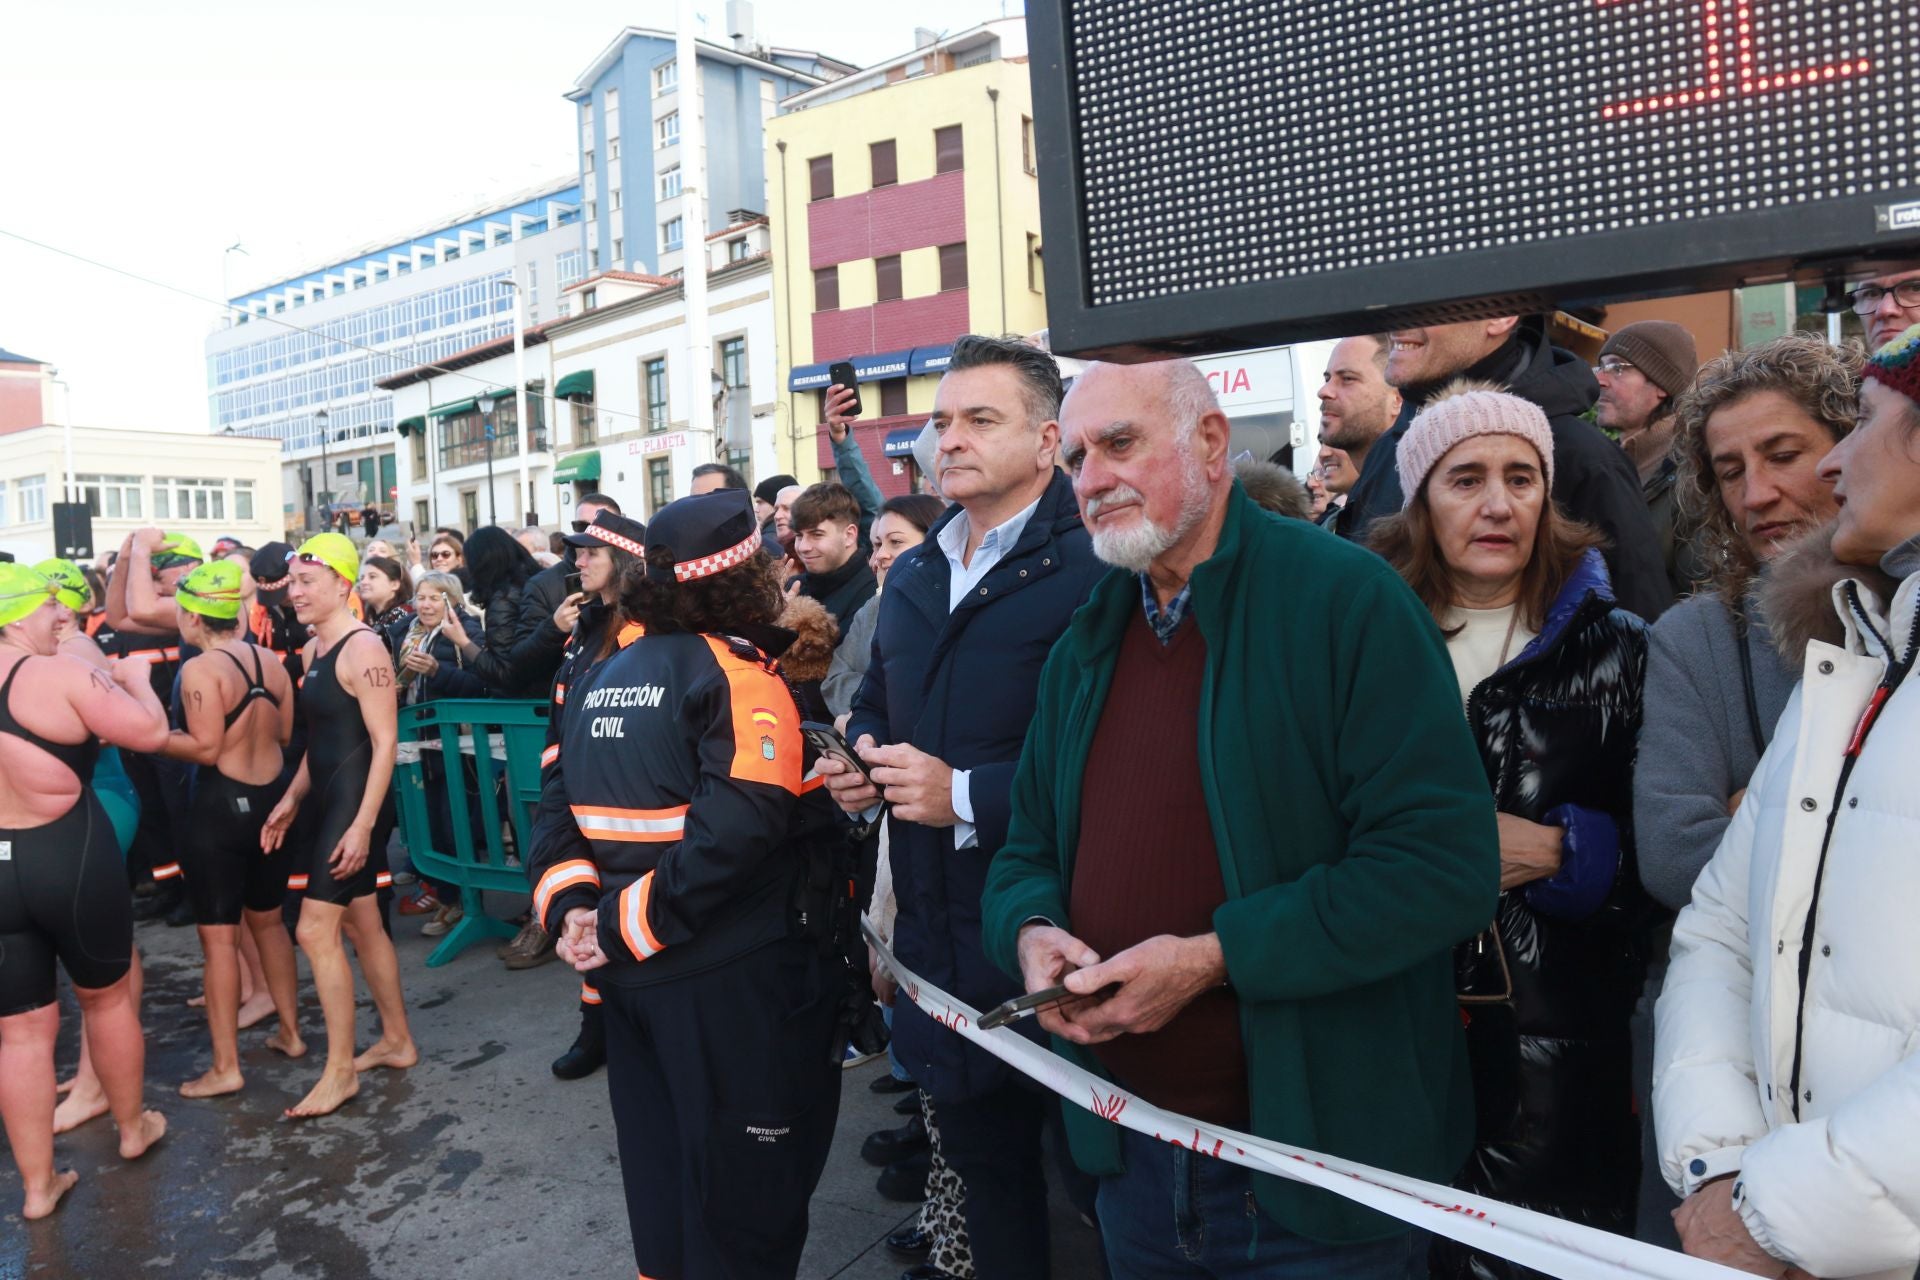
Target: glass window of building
[
  {"x": 666, "y": 131},
  {"x": 1026, "y": 145},
  {"x": 826, "y": 289},
  {"x": 948, "y": 153},
  {"x": 659, "y": 484},
  {"x": 886, "y": 278},
  {"x": 619, "y": 252},
  {"x": 613, "y": 154},
  {"x": 33, "y": 499},
  {"x": 666, "y": 77},
  {"x": 893, "y": 398},
  {"x": 186, "y": 498},
  {"x": 115, "y": 497},
  {"x": 953, "y": 266},
  {"x": 583, "y": 422},
  {"x": 820, "y": 177},
  {"x": 886, "y": 169},
  {"x": 670, "y": 183},
  {"x": 672, "y": 234},
  {"x": 737, "y": 249},
  {"x": 243, "y": 499},
  {"x": 610, "y": 114},
  {"x": 733, "y": 362},
  {"x": 589, "y": 160},
  {"x": 613, "y": 199},
  {"x": 654, "y": 383}
]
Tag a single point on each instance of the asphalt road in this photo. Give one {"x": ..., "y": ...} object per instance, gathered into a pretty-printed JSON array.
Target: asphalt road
[{"x": 476, "y": 1164}]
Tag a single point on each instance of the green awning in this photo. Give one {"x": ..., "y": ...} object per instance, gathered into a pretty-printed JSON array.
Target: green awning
[
  {"x": 577, "y": 383},
  {"x": 578, "y": 466},
  {"x": 453, "y": 410},
  {"x": 407, "y": 426}
]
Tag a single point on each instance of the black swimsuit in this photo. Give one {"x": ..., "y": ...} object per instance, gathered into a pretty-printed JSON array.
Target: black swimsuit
[
  {"x": 339, "y": 760},
  {"x": 63, "y": 894},
  {"x": 225, "y": 869}
]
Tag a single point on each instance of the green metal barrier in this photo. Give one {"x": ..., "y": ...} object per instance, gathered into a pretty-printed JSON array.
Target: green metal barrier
[{"x": 501, "y": 738}]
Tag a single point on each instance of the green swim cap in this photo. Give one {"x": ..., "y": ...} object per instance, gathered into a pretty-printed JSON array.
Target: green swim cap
[
  {"x": 177, "y": 549},
  {"x": 70, "y": 585},
  {"x": 212, "y": 590},
  {"x": 22, "y": 590}
]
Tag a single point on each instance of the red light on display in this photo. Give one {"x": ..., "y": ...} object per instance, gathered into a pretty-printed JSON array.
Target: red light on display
[{"x": 1712, "y": 42}]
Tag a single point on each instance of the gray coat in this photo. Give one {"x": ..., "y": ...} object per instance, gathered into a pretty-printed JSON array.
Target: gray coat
[
  {"x": 1697, "y": 742},
  {"x": 850, "y": 659}
]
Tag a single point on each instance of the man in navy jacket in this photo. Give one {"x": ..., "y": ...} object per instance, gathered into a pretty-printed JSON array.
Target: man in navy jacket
[{"x": 965, "y": 624}]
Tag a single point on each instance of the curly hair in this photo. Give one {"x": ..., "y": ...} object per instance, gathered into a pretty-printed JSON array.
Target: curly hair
[
  {"x": 744, "y": 596},
  {"x": 1822, "y": 379}
]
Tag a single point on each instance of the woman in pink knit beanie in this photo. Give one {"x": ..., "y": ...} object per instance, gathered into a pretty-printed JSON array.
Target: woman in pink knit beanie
[{"x": 1550, "y": 675}]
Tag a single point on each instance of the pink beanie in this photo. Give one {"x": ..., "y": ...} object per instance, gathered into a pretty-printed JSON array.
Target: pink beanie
[{"x": 1460, "y": 412}]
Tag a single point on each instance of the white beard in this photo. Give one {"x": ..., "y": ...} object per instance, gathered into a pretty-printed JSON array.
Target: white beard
[{"x": 1136, "y": 549}]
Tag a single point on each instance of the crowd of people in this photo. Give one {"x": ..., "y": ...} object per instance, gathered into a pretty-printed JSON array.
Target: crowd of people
[{"x": 1535, "y": 824}]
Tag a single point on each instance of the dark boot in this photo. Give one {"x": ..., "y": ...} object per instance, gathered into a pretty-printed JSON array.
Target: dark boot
[{"x": 589, "y": 1051}]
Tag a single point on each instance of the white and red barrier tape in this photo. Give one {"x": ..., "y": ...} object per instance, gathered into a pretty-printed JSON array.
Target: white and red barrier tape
[{"x": 1545, "y": 1243}]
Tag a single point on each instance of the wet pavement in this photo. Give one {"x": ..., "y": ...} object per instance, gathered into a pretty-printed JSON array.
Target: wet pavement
[{"x": 477, "y": 1163}]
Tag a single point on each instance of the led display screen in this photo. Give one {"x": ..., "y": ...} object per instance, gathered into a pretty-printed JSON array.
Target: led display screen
[{"x": 1217, "y": 172}]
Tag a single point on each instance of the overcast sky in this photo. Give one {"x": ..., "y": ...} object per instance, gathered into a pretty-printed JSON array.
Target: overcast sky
[{"x": 151, "y": 137}]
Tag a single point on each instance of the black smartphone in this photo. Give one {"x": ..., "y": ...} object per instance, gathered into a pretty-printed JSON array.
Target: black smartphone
[
  {"x": 572, "y": 584},
  {"x": 1032, "y": 1003},
  {"x": 827, "y": 741},
  {"x": 842, "y": 373}
]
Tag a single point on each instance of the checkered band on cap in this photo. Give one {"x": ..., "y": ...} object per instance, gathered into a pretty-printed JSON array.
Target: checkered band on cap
[
  {"x": 600, "y": 533},
  {"x": 706, "y": 566}
]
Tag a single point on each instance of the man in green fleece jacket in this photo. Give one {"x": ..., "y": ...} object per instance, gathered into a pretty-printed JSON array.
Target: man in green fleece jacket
[{"x": 1247, "y": 798}]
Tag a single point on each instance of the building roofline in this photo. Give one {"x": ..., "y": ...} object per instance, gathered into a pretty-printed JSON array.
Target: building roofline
[
  {"x": 480, "y": 354},
  {"x": 762, "y": 261},
  {"x": 877, "y": 71},
  {"x": 550, "y": 188},
  {"x": 583, "y": 83},
  {"x": 14, "y": 357}
]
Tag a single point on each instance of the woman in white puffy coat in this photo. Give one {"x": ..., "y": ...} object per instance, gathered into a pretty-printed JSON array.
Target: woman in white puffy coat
[{"x": 1786, "y": 1087}]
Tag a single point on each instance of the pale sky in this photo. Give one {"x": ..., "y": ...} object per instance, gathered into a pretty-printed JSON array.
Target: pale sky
[{"x": 151, "y": 137}]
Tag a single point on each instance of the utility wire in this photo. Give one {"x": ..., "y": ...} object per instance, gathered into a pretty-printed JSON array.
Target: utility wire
[{"x": 506, "y": 389}]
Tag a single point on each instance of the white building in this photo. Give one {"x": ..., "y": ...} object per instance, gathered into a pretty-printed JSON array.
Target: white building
[
  {"x": 203, "y": 486},
  {"x": 607, "y": 389}
]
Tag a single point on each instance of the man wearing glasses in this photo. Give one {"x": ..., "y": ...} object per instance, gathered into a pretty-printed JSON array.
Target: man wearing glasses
[
  {"x": 1643, "y": 369},
  {"x": 1887, "y": 305}
]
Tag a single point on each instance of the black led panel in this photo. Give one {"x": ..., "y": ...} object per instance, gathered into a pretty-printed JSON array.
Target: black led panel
[{"x": 1217, "y": 175}]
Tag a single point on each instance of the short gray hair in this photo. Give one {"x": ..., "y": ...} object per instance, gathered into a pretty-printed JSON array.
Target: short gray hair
[
  {"x": 446, "y": 584},
  {"x": 1039, "y": 375}
]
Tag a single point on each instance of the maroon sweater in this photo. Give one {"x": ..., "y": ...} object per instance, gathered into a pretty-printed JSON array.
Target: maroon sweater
[{"x": 1146, "y": 865}]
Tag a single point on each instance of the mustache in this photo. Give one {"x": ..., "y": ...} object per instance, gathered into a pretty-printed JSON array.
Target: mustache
[{"x": 1119, "y": 496}]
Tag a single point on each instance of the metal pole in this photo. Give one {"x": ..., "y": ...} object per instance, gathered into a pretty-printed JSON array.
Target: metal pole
[
  {"x": 66, "y": 435},
  {"x": 693, "y": 236},
  {"x": 493, "y": 501},
  {"x": 323, "y": 498},
  {"x": 524, "y": 498}
]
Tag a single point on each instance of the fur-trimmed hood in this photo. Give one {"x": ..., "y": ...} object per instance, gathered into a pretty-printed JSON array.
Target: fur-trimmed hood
[
  {"x": 1797, "y": 596},
  {"x": 815, "y": 634}
]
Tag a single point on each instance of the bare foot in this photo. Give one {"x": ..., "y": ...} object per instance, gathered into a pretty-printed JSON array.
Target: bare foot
[
  {"x": 327, "y": 1097},
  {"x": 39, "y": 1206},
  {"x": 396, "y": 1057},
  {"x": 213, "y": 1084},
  {"x": 139, "y": 1139},
  {"x": 287, "y": 1040},
  {"x": 255, "y": 1011},
  {"x": 78, "y": 1107}
]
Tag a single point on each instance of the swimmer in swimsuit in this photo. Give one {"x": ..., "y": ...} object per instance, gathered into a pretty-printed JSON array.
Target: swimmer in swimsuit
[
  {"x": 63, "y": 897},
  {"x": 238, "y": 706},
  {"x": 348, "y": 699}
]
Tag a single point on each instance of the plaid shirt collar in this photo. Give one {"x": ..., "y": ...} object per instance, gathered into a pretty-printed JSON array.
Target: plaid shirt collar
[{"x": 1165, "y": 622}]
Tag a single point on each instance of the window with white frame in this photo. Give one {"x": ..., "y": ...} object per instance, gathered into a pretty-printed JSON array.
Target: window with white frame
[
  {"x": 3, "y": 504},
  {"x": 33, "y": 499},
  {"x": 613, "y": 200},
  {"x": 666, "y": 131},
  {"x": 186, "y": 498},
  {"x": 114, "y": 497},
  {"x": 611, "y": 114},
  {"x": 243, "y": 499},
  {"x": 619, "y": 252},
  {"x": 670, "y": 183},
  {"x": 666, "y": 77},
  {"x": 586, "y": 125},
  {"x": 672, "y": 234},
  {"x": 613, "y": 153}
]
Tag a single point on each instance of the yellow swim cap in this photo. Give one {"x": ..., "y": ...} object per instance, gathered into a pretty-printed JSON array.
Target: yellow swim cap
[
  {"x": 211, "y": 590},
  {"x": 70, "y": 585},
  {"x": 334, "y": 550},
  {"x": 22, "y": 590}
]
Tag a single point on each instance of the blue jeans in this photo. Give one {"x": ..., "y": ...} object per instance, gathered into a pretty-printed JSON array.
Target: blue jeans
[{"x": 1175, "y": 1215}]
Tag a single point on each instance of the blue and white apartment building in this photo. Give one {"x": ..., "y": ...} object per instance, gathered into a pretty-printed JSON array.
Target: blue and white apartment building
[{"x": 295, "y": 349}]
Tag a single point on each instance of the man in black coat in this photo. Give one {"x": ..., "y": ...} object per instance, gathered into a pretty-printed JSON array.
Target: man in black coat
[
  {"x": 966, "y": 623},
  {"x": 1593, "y": 481}
]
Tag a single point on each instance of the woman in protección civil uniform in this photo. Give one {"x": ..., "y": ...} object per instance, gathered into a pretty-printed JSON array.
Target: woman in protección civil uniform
[{"x": 680, "y": 883}]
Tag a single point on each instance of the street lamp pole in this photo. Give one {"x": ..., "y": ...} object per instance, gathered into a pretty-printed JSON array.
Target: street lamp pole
[
  {"x": 486, "y": 402},
  {"x": 326, "y": 472}
]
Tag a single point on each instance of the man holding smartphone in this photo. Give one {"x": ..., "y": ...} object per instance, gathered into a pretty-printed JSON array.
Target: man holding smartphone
[{"x": 964, "y": 627}]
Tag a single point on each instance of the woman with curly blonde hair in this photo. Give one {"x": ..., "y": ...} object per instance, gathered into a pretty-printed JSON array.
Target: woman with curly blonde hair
[{"x": 1752, "y": 432}]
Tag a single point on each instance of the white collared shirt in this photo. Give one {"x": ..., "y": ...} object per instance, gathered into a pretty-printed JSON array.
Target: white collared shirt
[{"x": 966, "y": 576}]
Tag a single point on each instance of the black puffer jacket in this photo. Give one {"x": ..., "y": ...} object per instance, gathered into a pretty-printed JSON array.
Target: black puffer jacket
[
  {"x": 1547, "y": 992},
  {"x": 523, "y": 646}
]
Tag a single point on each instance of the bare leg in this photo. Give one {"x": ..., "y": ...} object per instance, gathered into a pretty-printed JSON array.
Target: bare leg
[
  {"x": 275, "y": 950},
  {"x": 256, "y": 1000},
  {"x": 120, "y": 1056},
  {"x": 381, "y": 967},
  {"x": 26, "y": 1105},
  {"x": 86, "y": 1100},
  {"x": 222, "y": 977},
  {"x": 319, "y": 935}
]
